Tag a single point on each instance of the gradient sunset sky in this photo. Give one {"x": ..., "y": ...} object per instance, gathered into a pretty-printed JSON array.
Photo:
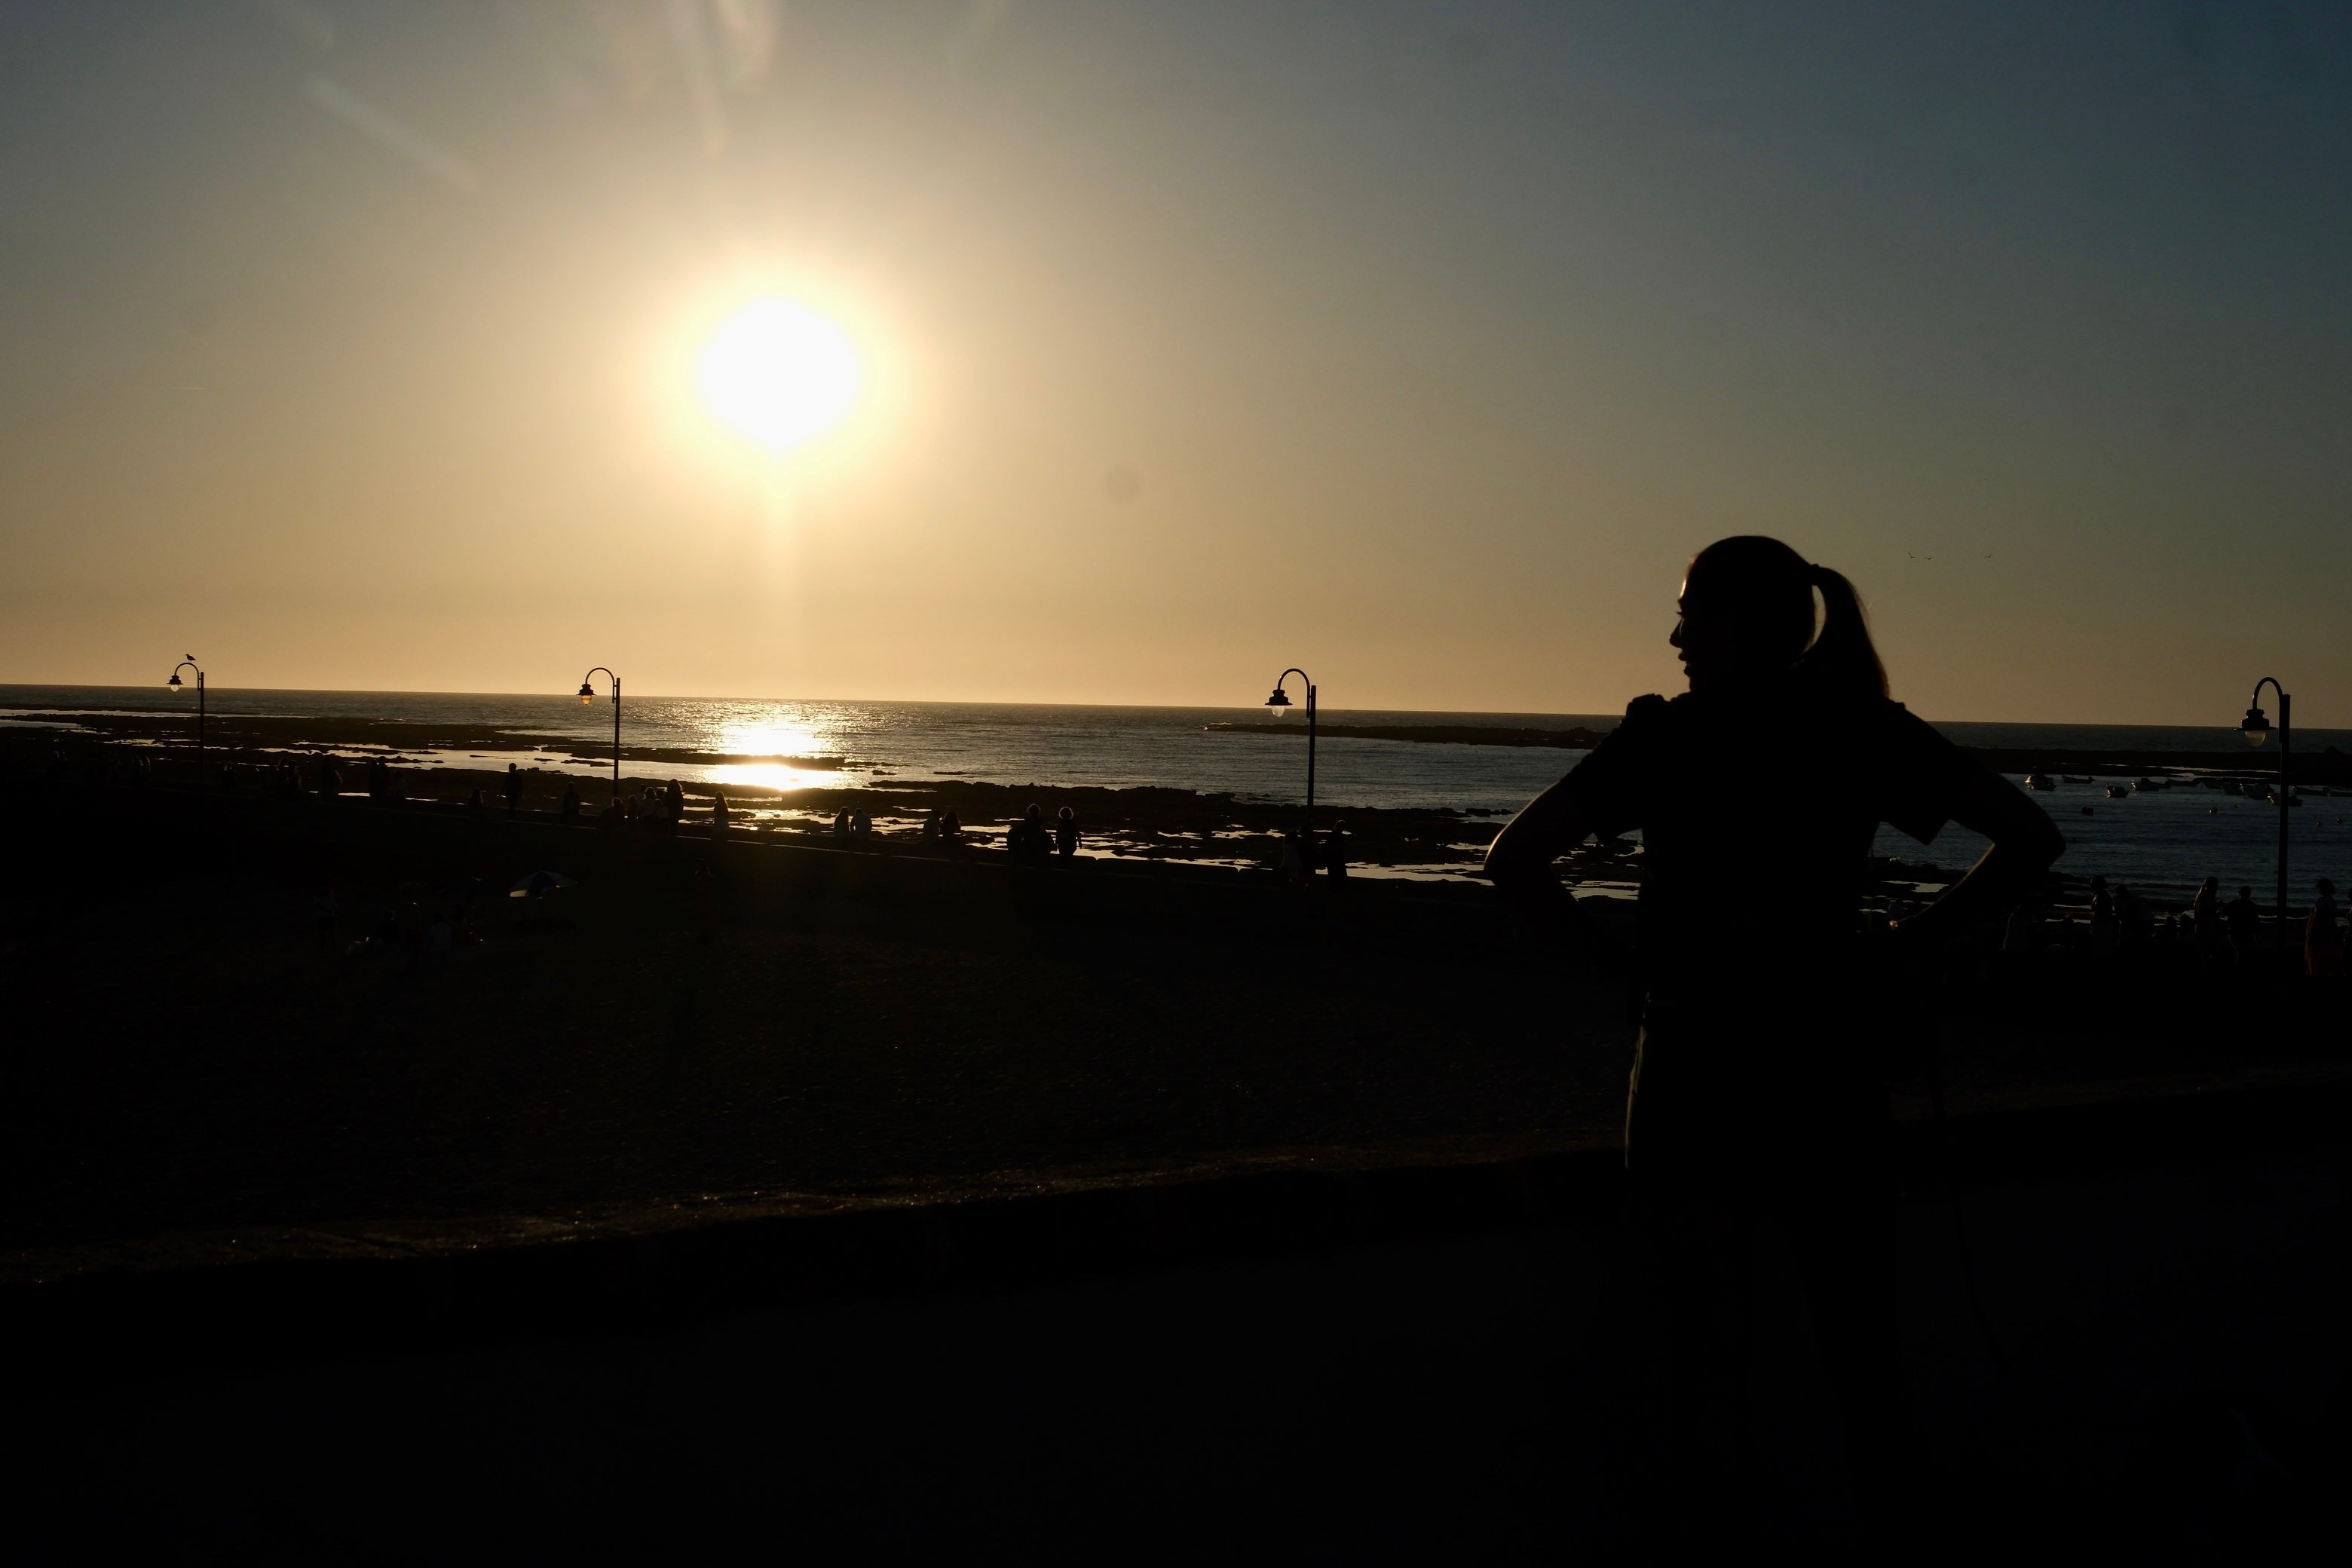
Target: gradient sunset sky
[{"x": 355, "y": 345}]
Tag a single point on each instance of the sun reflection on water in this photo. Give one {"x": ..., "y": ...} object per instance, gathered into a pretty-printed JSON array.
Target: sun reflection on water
[
  {"x": 771, "y": 738},
  {"x": 781, "y": 775}
]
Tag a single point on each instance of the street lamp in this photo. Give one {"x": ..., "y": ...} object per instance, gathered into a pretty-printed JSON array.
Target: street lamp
[
  {"x": 588, "y": 695},
  {"x": 2256, "y": 729},
  {"x": 1281, "y": 700},
  {"x": 189, "y": 663}
]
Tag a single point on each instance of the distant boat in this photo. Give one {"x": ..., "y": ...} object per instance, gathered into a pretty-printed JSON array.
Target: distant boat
[
  {"x": 2040, "y": 781},
  {"x": 2070, "y": 778},
  {"x": 2232, "y": 786},
  {"x": 2119, "y": 792},
  {"x": 2151, "y": 784}
]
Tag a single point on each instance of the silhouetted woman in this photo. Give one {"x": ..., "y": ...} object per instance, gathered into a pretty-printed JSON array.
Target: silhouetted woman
[
  {"x": 2323, "y": 945},
  {"x": 1758, "y": 1087}
]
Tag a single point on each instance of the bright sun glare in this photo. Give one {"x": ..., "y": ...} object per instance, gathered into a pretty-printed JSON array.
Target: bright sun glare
[{"x": 780, "y": 374}]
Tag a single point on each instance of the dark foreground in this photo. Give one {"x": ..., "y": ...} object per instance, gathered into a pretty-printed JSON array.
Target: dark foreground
[
  {"x": 1433, "y": 1363},
  {"x": 877, "y": 1201}
]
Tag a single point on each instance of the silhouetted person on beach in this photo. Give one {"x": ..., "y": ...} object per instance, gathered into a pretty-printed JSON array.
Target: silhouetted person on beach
[
  {"x": 931, "y": 825},
  {"x": 2323, "y": 942},
  {"x": 1065, "y": 833},
  {"x": 719, "y": 816},
  {"x": 2245, "y": 926},
  {"x": 1292, "y": 870},
  {"x": 330, "y": 778},
  {"x": 1758, "y": 1092},
  {"x": 2205, "y": 917},
  {"x": 951, "y": 828},
  {"x": 1027, "y": 839},
  {"x": 514, "y": 789},
  {"x": 570, "y": 802},
  {"x": 2106, "y": 928},
  {"x": 1335, "y": 852}
]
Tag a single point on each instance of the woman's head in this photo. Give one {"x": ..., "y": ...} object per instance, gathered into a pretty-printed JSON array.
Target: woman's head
[{"x": 1747, "y": 614}]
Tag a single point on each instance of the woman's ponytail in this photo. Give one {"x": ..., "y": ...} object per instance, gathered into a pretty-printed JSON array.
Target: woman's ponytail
[{"x": 1843, "y": 659}]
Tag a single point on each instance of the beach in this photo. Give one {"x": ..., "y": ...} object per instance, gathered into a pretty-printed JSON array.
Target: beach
[{"x": 1419, "y": 794}]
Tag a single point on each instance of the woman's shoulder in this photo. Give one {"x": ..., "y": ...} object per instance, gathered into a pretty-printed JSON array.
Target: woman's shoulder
[
  {"x": 1647, "y": 719},
  {"x": 1649, "y": 710},
  {"x": 1889, "y": 715}
]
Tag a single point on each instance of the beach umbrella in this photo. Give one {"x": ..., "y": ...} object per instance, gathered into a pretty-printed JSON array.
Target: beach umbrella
[{"x": 540, "y": 883}]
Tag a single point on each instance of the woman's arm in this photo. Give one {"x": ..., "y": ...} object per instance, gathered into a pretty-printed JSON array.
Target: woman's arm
[
  {"x": 2024, "y": 843},
  {"x": 1519, "y": 860}
]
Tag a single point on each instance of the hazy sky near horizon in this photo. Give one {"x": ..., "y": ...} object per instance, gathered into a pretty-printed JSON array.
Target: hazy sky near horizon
[{"x": 352, "y": 345}]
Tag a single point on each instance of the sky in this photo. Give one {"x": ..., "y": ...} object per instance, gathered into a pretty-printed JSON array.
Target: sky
[{"x": 357, "y": 346}]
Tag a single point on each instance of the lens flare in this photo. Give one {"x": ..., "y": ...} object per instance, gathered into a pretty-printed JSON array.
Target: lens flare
[{"x": 778, "y": 373}]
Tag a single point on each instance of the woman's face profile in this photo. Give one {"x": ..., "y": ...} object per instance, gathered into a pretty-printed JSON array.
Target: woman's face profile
[
  {"x": 1695, "y": 638},
  {"x": 1719, "y": 641}
]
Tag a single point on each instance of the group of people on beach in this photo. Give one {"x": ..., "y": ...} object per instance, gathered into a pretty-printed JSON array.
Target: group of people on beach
[
  {"x": 1304, "y": 854},
  {"x": 2208, "y": 930},
  {"x": 1030, "y": 839},
  {"x": 1031, "y": 842},
  {"x": 658, "y": 810}
]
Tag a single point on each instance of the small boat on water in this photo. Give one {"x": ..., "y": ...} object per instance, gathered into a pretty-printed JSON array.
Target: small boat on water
[
  {"x": 2153, "y": 784},
  {"x": 2040, "y": 781},
  {"x": 2232, "y": 786},
  {"x": 2119, "y": 792}
]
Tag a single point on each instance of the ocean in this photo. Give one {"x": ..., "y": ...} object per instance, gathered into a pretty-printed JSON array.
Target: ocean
[{"x": 2161, "y": 842}]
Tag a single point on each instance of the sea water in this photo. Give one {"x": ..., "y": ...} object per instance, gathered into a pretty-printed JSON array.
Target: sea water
[{"x": 2159, "y": 841}]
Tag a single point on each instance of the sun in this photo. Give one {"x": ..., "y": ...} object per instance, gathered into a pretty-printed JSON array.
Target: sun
[{"x": 778, "y": 373}]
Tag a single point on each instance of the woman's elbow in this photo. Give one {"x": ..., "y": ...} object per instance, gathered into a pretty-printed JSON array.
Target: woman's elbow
[{"x": 1512, "y": 862}]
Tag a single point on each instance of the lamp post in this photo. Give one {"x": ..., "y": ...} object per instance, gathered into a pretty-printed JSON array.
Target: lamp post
[
  {"x": 2256, "y": 729},
  {"x": 1281, "y": 700},
  {"x": 588, "y": 695},
  {"x": 189, "y": 663}
]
